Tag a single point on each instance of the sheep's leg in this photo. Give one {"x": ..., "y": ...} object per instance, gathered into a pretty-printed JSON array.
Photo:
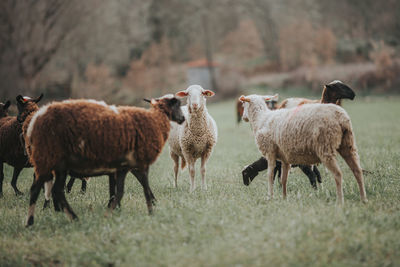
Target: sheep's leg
[
  {"x": 278, "y": 169},
  {"x": 204, "y": 159},
  {"x": 307, "y": 170},
  {"x": 120, "y": 184},
  {"x": 34, "y": 194},
  {"x": 332, "y": 165},
  {"x": 285, "y": 172},
  {"x": 83, "y": 185},
  {"x": 175, "y": 158},
  {"x": 353, "y": 162},
  {"x": 192, "y": 175},
  {"x": 16, "y": 172},
  {"x": 140, "y": 178},
  {"x": 317, "y": 173},
  {"x": 111, "y": 188},
  {"x": 48, "y": 186},
  {"x": 58, "y": 193},
  {"x": 1, "y": 179},
  {"x": 270, "y": 173},
  {"x": 70, "y": 184},
  {"x": 251, "y": 171}
]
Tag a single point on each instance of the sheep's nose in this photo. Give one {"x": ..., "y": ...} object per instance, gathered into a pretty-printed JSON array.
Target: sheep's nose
[{"x": 195, "y": 106}]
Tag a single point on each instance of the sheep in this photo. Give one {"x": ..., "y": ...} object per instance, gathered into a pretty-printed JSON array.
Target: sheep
[
  {"x": 11, "y": 149},
  {"x": 91, "y": 138},
  {"x": 333, "y": 93},
  {"x": 308, "y": 134},
  {"x": 239, "y": 108},
  {"x": 196, "y": 137}
]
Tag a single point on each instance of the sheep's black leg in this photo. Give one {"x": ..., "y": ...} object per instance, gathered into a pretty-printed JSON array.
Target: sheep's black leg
[
  {"x": 16, "y": 173},
  {"x": 34, "y": 194},
  {"x": 112, "y": 188},
  {"x": 70, "y": 184},
  {"x": 316, "y": 171},
  {"x": 120, "y": 182},
  {"x": 310, "y": 174},
  {"x": 83, "y": 185},
  {"x": 58, "y": 193},
  {"x": 141, "y": 181},
  {"x": 1, "y": 179},
  {"x": 143, "y": 176},
  {"x": 251, "y": 171},
  {"x": 278, "y": 169}
]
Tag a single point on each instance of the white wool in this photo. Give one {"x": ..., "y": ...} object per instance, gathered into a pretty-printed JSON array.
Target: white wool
[
  {"x": 114, "y": 108},
  {"x": 335, "y": 81},
  {"x": 101, "y": 103},
  {"x": 39, "y": 113},
  {"x": 197, "y": 136}
]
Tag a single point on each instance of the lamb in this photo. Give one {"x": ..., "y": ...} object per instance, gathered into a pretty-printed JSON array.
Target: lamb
[
  {"x": 333, "y": 93},
  {"x": 308, "y": 134},
  {"x": 11, "y": 149},
  {"x": 196, "y": 137},
  {"x": 96, "y": 139}
]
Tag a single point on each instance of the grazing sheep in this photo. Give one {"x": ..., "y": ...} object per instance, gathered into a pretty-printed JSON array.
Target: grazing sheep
[
  {"x": 91, "y": 138},
  {"x": 11, "y": 148},
  {"x": 332, "y": 93},
  {"x": 196, "y": 137},
  {"x": 308, "y": 134}
]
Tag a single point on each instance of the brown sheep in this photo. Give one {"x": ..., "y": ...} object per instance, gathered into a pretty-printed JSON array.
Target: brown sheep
[
  {"x": 11, "y": 148},
  {"x": 92, "y": 138}
]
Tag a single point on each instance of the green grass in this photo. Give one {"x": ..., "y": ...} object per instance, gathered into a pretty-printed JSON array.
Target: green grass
[{"x": 230, "y": 224}]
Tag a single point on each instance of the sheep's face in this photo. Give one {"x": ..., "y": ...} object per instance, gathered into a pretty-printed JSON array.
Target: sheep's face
[
  {"x": 336, "y": 90},
  {"x": 26, "y": 105},
  {"x": 4, "y": 109},
  {"x": 256, "y": 101},
  {"x": 171, "y": 106},
  {"x": 196, "y": 97}
]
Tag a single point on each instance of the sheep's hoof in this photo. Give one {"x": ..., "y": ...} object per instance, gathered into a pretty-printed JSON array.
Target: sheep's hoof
[
  {"x": 1, "y": 194},
  {"x": 29, "y": 221},
  {"x": 46, "y": 204},
  {"x": 365, "y": 201},
  {"x": 18, "y": 193}
]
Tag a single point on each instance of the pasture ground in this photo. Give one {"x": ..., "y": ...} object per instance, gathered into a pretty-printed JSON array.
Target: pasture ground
[{"x": 230, "y": 224}]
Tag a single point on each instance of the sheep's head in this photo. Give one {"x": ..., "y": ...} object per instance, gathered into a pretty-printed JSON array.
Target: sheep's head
[
  {"x": 170, "y": 105},
  {"x": 26, "y": 105},
  {"x": 4, "y": 109},
  {"x": 258, "y": 101},
  {"x": 196, "y": 97},
  {"x": 335, "y": 91}
]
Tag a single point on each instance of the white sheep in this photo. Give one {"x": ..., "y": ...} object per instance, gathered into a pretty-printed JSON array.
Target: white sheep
[
  {"x": 196, "y": 137},
  {"x": 307, "y": 134}
]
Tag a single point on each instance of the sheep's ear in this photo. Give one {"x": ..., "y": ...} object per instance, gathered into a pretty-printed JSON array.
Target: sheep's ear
[
  {"x": 146, "y": 100},
  {"x": 7, "y": 105},
  {"x": 275, "y": 97},
  {"x": 20, "y": 99},
  {"x": 38, "y": 99},
  {"x": 271, "y": 98},
  {"x": 181, "y": 94},
  {"x": 153, "y": 102},
  {"x": 208, "y": 93},
  {"x": 244, "y": 99}
]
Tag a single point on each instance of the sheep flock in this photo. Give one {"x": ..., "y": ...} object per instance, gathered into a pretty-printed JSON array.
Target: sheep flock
[{"x": 87, "y": 138}]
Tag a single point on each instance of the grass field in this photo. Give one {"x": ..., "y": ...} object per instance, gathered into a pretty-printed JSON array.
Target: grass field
[{"x": 229, "y": 224}]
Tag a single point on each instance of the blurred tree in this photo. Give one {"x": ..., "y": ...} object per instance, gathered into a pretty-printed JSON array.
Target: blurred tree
[{"x": 31, "y": 34}]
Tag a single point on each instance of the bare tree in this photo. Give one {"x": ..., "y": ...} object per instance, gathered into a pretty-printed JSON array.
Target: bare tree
[{"x": 31, "y": 34}]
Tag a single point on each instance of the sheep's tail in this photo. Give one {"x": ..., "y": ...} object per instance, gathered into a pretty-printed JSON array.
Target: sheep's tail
[{"x": 183, "y": 163}]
